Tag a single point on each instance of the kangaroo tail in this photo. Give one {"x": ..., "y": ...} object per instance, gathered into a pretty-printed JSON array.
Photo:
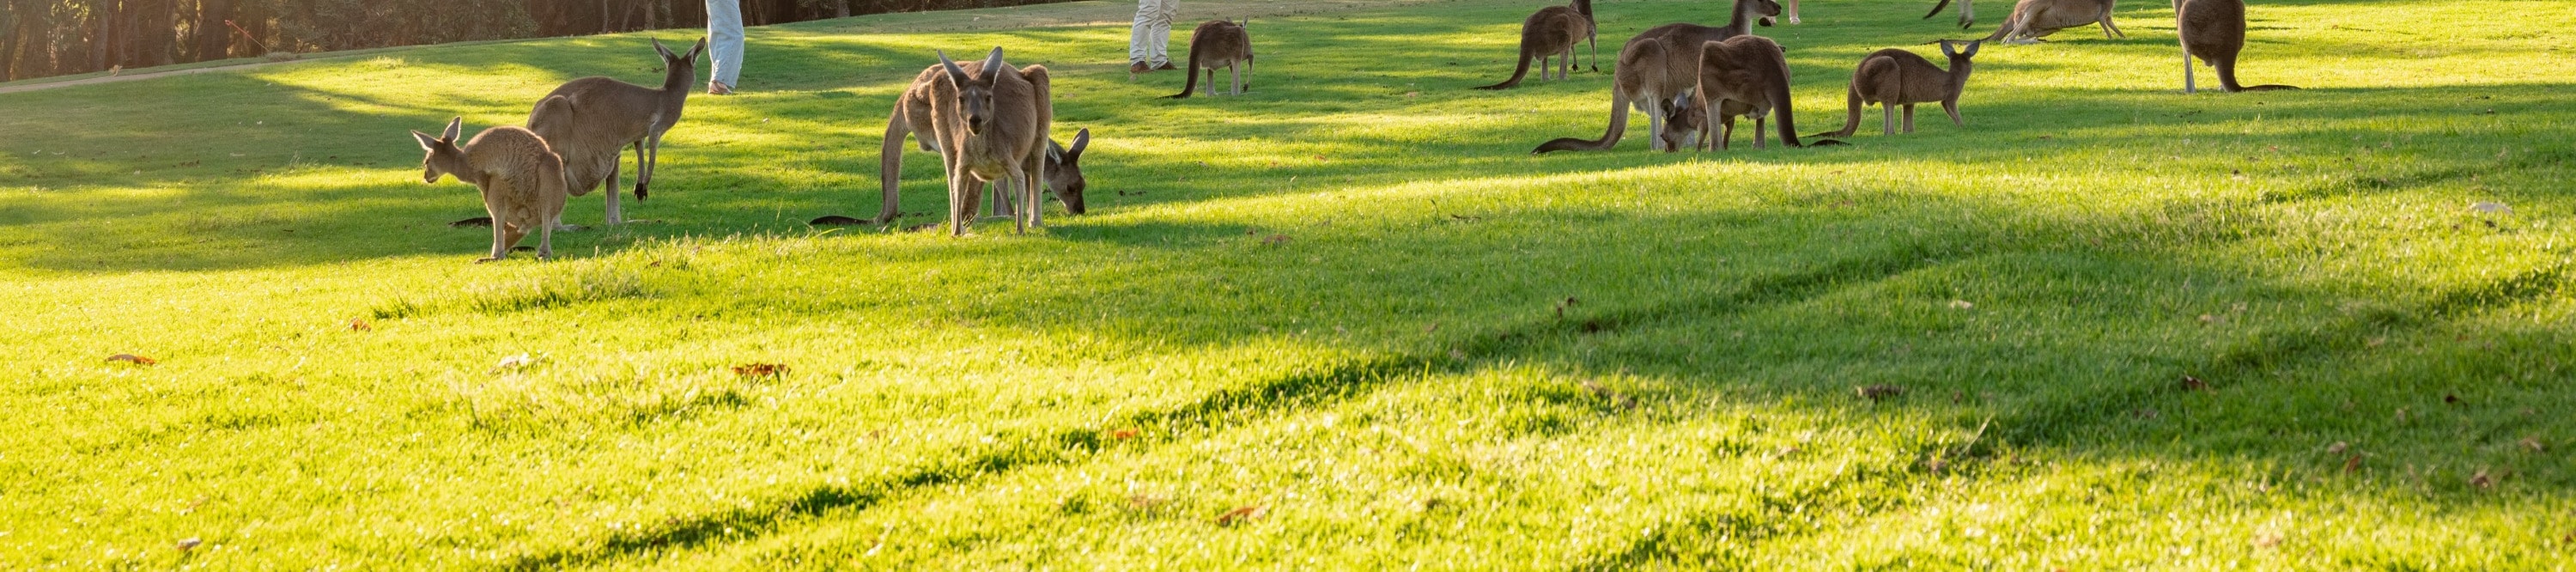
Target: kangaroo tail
[
  {"x": 1528, "y": 44},
  {"x": 1936, "y": 9},
  {"x": 1618, "y": 127},
  {"x": 1781, "y": 109},
  {"x": 1196, "y": 41},
  {"x": 1851, "y": 120},
  {"x": 890, "y": 161},
  {"x": 2227, "y": 80}
]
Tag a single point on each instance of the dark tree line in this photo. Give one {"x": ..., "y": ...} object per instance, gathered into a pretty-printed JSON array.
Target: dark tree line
[{"x": 56, "y": 37}]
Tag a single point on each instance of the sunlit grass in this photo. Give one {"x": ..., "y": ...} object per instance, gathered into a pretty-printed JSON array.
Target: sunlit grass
[{"x": 1342, "y": 322}]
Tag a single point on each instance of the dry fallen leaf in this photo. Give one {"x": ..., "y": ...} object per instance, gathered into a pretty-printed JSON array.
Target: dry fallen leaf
[
  {"x": 2490, "y": 208},
  {"x": 2533, "y": 443},
  {"x": 2190, "y": 383},
  {"x": 360, "y": 324},
  {"x": 2482, "y": 480},
  {"x": 2352, "y": 463},
  {"x": 1434, "y": 327},
  {"x": 1275, "y": 239},
  {"x": 2337, "y": 448},
  {"x": 190, "y": 542},
  {"x": 2268, "y": 540},
  {"x": 1962, "y": 304},
  {"x": 2451, "y": 398},
  {"x": 1878, "y": 392},
  {"x": 1123, "y": 434},
  {"x": 1239, "y": 514},
  {"x": 760, "y": 370},
  {"x": 132, "y": 359}
]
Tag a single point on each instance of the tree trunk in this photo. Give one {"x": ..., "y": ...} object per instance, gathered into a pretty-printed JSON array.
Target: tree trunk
[
  {"x": 840, "y": 8},
  {"x": 214, "y": 39}
]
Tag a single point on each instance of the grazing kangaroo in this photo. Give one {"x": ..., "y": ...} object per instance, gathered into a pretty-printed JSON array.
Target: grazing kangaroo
[
  {"x": 522, "y": 180},
  {"x": 912, "y": 116},
  {"x": 2214, "y": 31},
  {"x": 1682, "y": 124},
  {"x": 1893, "y": 77},
  {"x": 1751, "y": 70},
  {"x": 1218, "y": 43},
  {"x": 591, "y": 120},
  {"x": 2034, "y": 19},
  {"x": 1553, "y": 31},
  {"x": 991, "y": 127},
  {"x": 1657, "y": 66}
]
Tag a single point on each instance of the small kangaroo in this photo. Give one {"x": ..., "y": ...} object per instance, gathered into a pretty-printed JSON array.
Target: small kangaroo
[
  {"x": 2034, "y": 19},
  {"x": 522, "y": 181},
  {"x": 1894, "y": 77},
  {"x": 1686, "y": 114},
  {"x": 1751, "y": 70},
  {"x": 593, "y": 119},
  {"x": 991, "y": 127},
  {"x": 912, "y": 116},
  {"x": 1553, "y": 31},
  {"x": 2214, "y": 31},
  {"x": 1218, "y": 43},
  {"x": 1657, "y": 66}
]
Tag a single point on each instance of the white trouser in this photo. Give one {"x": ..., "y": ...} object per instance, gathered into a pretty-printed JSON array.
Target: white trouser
[
  {"x": 724, "y": 41},
  {"x": 1153, "y": 33}
]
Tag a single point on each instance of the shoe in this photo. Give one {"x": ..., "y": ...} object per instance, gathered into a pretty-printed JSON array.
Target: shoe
[
  {"x": 1139, "y": 67},
  {"x": 719, "y": 88},
  {"x": 1166, "y": 66}
]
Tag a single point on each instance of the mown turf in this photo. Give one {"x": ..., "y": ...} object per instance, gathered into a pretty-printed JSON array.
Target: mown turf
[{"x": 1342, "y": 322}]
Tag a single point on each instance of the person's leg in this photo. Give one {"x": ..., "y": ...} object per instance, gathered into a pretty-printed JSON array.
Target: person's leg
[
  {"x": 1166, "y": 10},
  {"x": 724, "y": 44},
  {"x": 1139, "y": 58}
]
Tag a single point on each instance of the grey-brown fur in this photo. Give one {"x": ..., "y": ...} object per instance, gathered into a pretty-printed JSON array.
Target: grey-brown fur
[
  {"x": 991, "y": 126},
  {"x": 592, "y": 120},
  {"x": 1657, "y": 66},
  {"x": 1218, "y": 44},
  {"x": 522, "y": 180},
  {"x": 912, "y": 116},
  {"x": 2034, "y": 19},
  {"x": 2214, "y": 31},
  {"x": 1752, "y": 70},
  {"x": 1553, "y": 32},
  {"x": 1893, "y": 77}
]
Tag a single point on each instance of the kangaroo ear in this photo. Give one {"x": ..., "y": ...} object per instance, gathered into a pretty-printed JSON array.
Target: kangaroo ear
[
  {"x": 993, "y": 62},
  {"x": 955, "y": 74},
  {"x": 693, "y": 52},
  {"x": 427, "y": 143},
  {"x": 666, "y": 52},
  {"x": 455, "y": 128},
  {"x": 1081, "y": 141},
  {"x": 1948, "y": 50},
  {"x": 1972, "y": 47}
]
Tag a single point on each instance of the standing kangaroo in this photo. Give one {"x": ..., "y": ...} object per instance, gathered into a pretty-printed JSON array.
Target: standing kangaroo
[
  {"x": 2034, "y": 19},
  {"x": 1754, "y": 71},
  {"x": 1893, "y": 77},
  {"x": 2214, "y": 31},
  {"x": 1218, "y": 43},
  {"x": 913, "y": 116},
  {"x": 991, "y": 126},
  {"x": 1553, "y": 31},
  {"x": 593, "y": 119},
  {"x": 1657, "y": 66},
  {"x": 522, "y": 180}
]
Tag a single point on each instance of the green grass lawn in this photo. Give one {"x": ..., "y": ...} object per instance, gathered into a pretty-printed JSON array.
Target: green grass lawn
[{"x": 1345, "y": 321}]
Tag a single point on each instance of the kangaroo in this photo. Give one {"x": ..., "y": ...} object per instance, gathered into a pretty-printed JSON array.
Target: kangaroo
[
  {"x": 593, "y": 119},
  {"x": 1218, "y": 43},
  {"x": 1553, "y": 31},
  {"x": 991, "y": 127},
  {"x": 2214, "y": 31},
  {"x": 912, "y": 116},
  {"x": 1893, "y": 77},
  {"x": 2034, "y": 19},
  {"x": 1657, "y": 66},
  {"x": 522, "y": 180},
  {"x": 1754, "y": 71},
  {"x": 1688, "y": 115}
]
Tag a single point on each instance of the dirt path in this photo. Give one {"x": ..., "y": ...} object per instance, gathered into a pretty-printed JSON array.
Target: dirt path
[{"x": 1090, "y": 13}]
